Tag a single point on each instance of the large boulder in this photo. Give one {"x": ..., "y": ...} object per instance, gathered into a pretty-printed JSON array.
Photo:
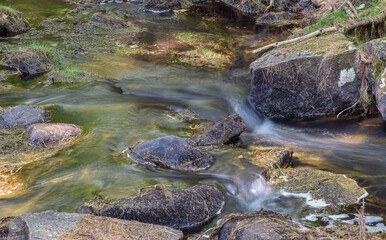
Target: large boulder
[
  {"x": 307, "y": 79},
  {"x": 55, "y": 225},
  {"x": 223, "y": 132},
  {"x": 171, "y": 152},
  {"x": 181, "y": 209},
  {"x": 320, "y": 188},
  {"x": 12, "y": 22},
  {"x": 260, "y": 225},
  {"x": 22, "y": 116},
  {"x": 47, "y": 133},
  {"x": 29, "y": 62},
  {"x": 375, "y": 51}
]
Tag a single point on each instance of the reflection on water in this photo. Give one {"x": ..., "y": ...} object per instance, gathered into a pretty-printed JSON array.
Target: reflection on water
[{"x": 118, "y": 113}]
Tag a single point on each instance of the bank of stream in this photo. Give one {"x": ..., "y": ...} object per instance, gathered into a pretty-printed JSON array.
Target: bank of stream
[{"x": 127, "y": 103}]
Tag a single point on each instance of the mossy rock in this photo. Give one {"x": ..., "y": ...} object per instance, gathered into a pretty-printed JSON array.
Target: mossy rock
[
  {"x": 272, "y": 160},
  {"x": 31, "y": 62},
  {"x": 265, "y": 225},
  {"x": 12, "y": 22},
  {"x": 4, "y": 227},
  {"x": 181, "y": 209},
  {"x": 55, "y": 225},
  {"x": 322, "y": 188}
]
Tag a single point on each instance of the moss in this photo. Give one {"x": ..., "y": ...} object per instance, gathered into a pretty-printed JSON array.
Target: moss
[{"x": 379, "y": 69}]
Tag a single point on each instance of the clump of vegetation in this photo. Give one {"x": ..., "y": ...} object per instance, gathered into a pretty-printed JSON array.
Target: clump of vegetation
[
  {"x": 375, "y": 9},
  {"x": 332, "y": 19},
  {"x": 62, "y": 69}
]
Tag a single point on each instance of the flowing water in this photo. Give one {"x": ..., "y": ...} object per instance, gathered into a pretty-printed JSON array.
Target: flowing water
[{"x": 118, "y": 113}]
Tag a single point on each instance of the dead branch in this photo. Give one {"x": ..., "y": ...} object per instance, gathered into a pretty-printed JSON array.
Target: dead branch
[
  {"x": 271, "y": 2},
  {"x": 298, "y": 39}
]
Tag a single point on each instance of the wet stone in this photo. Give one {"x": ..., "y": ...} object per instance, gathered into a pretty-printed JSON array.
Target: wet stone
[
  {"x": 29, "y": 62},
  {"x": 43, "y": 134},
  {"x": 22, "y": 116},
  {"x": 223, "y": 132},
  {"x": 265, "y": 225},
  {"x": 181, "y": 209},
  {"x": 323, "y": 189},
  {"x": 171, "y": 152},
  {"x": 55, "y": 225}
]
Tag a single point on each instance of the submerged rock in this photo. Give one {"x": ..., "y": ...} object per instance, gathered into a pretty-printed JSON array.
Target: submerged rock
[
  {"x": 22, "y": 116},
  {"x": 312, "y": 78},
  {"x": 223, "y": 132},
  {"x": 171, "y": 152},
  {"x": 29, "y": 62},
  {"x": 321, "y": 188},
  {"x": 265, "y": 225},
  {"x": 181, "y": 209},
  {"x": 43, "y": 134},
  {"x": 375, "y": 51},
  {"x": 55, "y": 225},
  {"x": 12, "y": 22}
]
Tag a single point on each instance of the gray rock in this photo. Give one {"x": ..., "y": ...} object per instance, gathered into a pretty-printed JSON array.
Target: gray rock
[
  {"x": 55, "y": 225},
  {"x": 29, "y": 62},
  {"x": 376, "y": 73},
  {"x": 22, "y": 116},
  {"x": 12, "y": 22},
  {"x": 47, "y": 133},
  {"x": 260, "y": 225},
  {"x": 223, "y": 132},
  {"x": 171, "y": 152},
  {"x": 306, "y": 80},
  {"x": 181, "y": 209}
]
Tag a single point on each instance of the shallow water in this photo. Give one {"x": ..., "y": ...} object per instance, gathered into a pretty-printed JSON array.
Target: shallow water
[{"x": 118, "y": 113}]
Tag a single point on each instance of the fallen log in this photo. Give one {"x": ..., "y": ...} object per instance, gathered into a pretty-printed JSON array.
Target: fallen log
[
  {"x": 302, "y": 38},
  {"x": 366, "y": 22}
]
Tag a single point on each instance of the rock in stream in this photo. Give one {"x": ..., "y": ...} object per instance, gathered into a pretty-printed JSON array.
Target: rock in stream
[
  {"x": 59, "y": 225},
  {"x": 29, "y": 62},
  {"x": 260, "y": 225},
  {"x": 181, "y": 209},
  {"x": 12, "y": 22},
  {"x": 22, "y": 116},
  {"x": 43, "y": 134},
  {"x": 171, "y": 152}
]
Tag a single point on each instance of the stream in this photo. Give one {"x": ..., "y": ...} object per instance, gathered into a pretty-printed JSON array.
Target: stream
[{"x": 128, "y": 104}]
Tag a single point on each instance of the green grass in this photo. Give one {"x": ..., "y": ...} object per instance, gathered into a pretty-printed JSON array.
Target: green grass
[
  {"x": 59, "y": 64},
  {"x": 328, "y": 21},
  {"x": 374, "y": 9}
]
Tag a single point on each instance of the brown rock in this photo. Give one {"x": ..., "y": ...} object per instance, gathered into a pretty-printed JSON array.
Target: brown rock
[{"x": 43, "y": 134}]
